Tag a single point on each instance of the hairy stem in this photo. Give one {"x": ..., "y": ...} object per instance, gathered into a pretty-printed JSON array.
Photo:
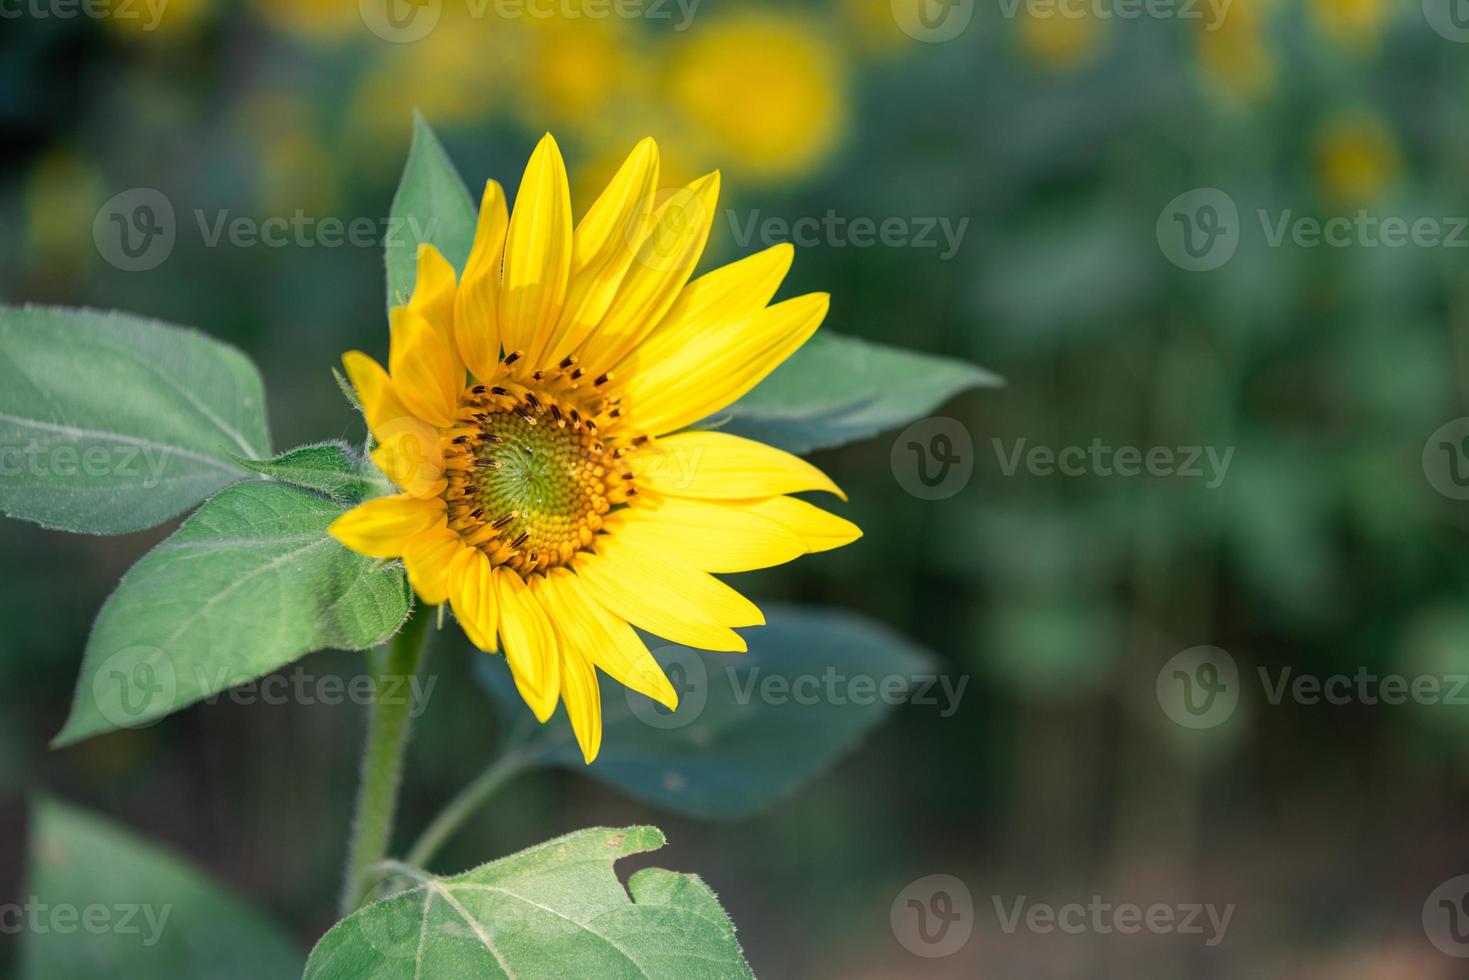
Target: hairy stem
[
  {"x": 382, "y": 758},
  {"x": 463, "y": 806}
]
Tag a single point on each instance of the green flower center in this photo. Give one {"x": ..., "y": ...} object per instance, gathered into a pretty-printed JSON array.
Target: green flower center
[{"x": 531, "y": 471}]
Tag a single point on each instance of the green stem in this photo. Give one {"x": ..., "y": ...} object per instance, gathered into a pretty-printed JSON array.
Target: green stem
[
  {"x": 463, "y": 806},
  {"x": 382, "y": 758}
]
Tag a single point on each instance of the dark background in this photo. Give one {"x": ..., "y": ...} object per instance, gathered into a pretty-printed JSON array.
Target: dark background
[{"x": 1327, "y": 546}]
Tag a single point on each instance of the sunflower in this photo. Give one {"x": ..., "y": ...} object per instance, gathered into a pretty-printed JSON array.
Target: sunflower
[{"x": 535, "y": 414}]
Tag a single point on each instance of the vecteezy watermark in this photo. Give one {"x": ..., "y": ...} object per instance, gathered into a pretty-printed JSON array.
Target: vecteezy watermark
[
  {"x": 149, "y": 12},
  {"x": 145, "y": 464},
  {"x": 933, "y": 916},
  {"x": 1199, "y": 230},
  {"x": 689, "y": 673},
  {"x": 1207, "y": 463},
  {"x": 933, "y": 21},
  {"x": 1446, "y": 917},
  {"x": 405, "y": 21},
  {"x": 1201, "y": 687},
  {"x": 1449, "y": 18},
  {"x": 1446, "y": 459},
  {"x": 97, "y": 919},
  {"x": 933, "y": 458},
  {"x": 302, "y": 687},
  {"x": 1100, "y": 917},
  {"x": 1211, "y": 12},
  {"x": 135, "y": 686},
  {"x": 835, "y": 230},
  {"x": 136, "y": 231}
]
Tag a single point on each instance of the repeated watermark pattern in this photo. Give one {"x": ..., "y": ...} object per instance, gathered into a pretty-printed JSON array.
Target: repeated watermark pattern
[
  {"x": 688, "y": 672},
  {"x": 149, "y": 13},
  {"x": 142, "y": 463},
  {"x": 1200, "y": 230},
  {"x": 1210, "y": 13},
  {"x": 137, "y": 230},
  {"x": 1097, "y": 916},
  {"x": 1446, "y": 459},
  {"x": 1207, "y": 463},
  {"x": 1446, "y": 917},
  {"x": 1201, "y": 687},
  {"x": 835, "y": 230},
  {"x": 143, "y": 920},
  {"x": 933, "y": 458},
  {"x": 406, "y": 21},
  {"x": 933, "y": 916}
]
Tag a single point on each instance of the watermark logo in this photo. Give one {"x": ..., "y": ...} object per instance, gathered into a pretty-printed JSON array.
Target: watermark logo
[
  {"x": 834, "y": 230},
  {"x": 933, "y": 458},
  {"x": 933, "y": 21},
  {"x": 933, "y": 916},
  {"x": 400, "y": 21},
  {"x": 1207, "y": 463},
  {"x": 1446, "y": 459},
  {"x": 689, "y": 675},
  {"x": 1103, "y": 918},
  {"x": 144, "y": 921},
  {"x": 135, "y": 686},
  {"x": 150, "y": 12},
  {"x": 1446, "y": 917},
  {"x": 1199, "y": 229},
  {"x": 1449, "y": 18},
  {"x": 1199, "y": 687},
  {"x": 135, "y": 231}
]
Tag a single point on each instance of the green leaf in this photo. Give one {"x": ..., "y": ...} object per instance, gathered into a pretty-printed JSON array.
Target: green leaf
[
  {"x": 330, "y": 468},
  {"x": 836, "y": 389},
  {"x": 248, "y": 583},
  {"x": 107, "y": 904},
  {"x": 432, "y": 205},
  {"x": 750, "y": 727},
  {"x": 556, "y": 910},
  {"x": 111, "y": 423}
]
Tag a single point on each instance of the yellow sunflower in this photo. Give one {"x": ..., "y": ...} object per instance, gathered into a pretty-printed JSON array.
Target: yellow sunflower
[{"x": 531, "y": 414}]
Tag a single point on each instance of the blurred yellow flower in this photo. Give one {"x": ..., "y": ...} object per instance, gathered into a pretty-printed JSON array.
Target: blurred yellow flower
[
  {"x": 295, "y": 169},
  {"x": 158, "y": 18},
  {"x": 766, "y": 92},
  {"x": 312, "y": 20},
  {"x": 1060, "y": 39},
  {"x": 1234, "y": 57},
  {"x": 453, "y": 76},
  {"x": 1350, "y": 23},
  {"x": 62, "y": 195},
  {"x": 1356, "y": 159},
  {"x": 575, "y": 69}
]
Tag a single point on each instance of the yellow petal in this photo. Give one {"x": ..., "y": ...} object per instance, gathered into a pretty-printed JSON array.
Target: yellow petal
[
  {"x": 537, "y": 254},
  {"x": 720, "y": 465},
  {"x": 820, "y": 530},
  {"x": 710, "y": 535},
  {"x": 609, "y": 642},
  {"x": 383, "y": 527},
  {"x": 665, "y": 597},
  {"x": 476, "y": 316},
  {"x": 583, "y": 698},
  {"x": 529, "y": 643},
  {"x": 409, "y": 454},
  {"x": 714, "y": 369},
  {"x": 427, "y": 559},
  {"x": 471, "y": 589},
  {"x": 664, "y": 261},
  {"x": 724, "y": 296},
  {"x": 374, "y": 388},
  {"x": 603, "y": 246},
  {"x": 433, "y": 294},
  {"x": 423, "y": 369}
]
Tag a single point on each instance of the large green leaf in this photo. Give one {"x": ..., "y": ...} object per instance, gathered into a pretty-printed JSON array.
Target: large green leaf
[
  {"x": 106, "y": 904},
  {"x": 553, "y": 911},
  {"x": 837, "y": 389},
  {"x": 111, "y": 423},
  {"x": 330, "y": 468},
  {"x": 248, "y": 583},
  {"x": 750, "y": 727},
  {"x": 432, "y": 205}
]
